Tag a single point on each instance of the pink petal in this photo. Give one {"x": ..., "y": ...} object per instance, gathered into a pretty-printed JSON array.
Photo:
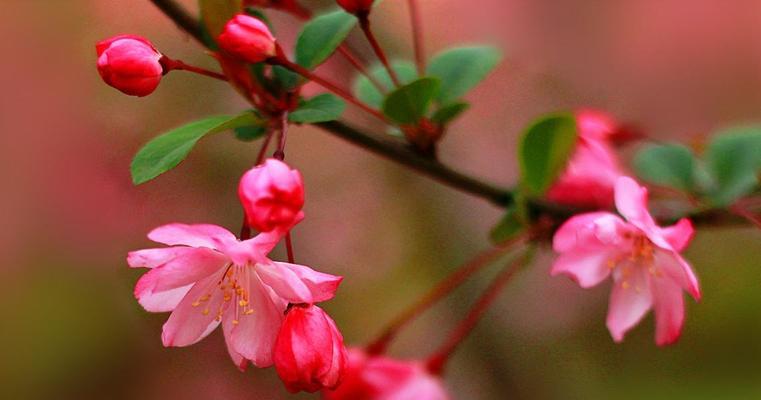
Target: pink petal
[
  {"x": 587, "y": 267},
  {"x": 163, "y": 301},
  {"x": 201, "y": 235},
  {"x": 255, "y": 334},
  {"x": 151, "y": 258},
  {"x": 180, "y": 271},
  {"x": 238, "y": 359},
  {"x": 675, "y": 268},
  {"x": 630, "y": 300},
  {"x": 193, "y": 319},
  {"x": 253, "y": 250},
  {"x": 631, "y": 202},
  {"x": 588, "y": 230},
  {"x": 669, "y": 312},
  {"x": 297, "y": 283},
  {"x": 679, "y": 235}
]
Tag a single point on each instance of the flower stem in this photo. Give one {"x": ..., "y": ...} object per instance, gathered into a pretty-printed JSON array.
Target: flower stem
[
  {"x": 364, "y": 23},
  {"x": 177, "y": 65},
  {"x": 436, "y": 362},
  {"x": 417, "y": 36},
  {"x": 289, "y": 248},
  {"x": 354, "y": 61}
]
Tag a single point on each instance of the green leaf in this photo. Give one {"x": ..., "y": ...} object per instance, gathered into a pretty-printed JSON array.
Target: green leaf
[
  {"x": 734, "y": 160},
  {"x": 321, "y": 108},
  {"x": 410, "y": 103},
  {"x": 368, "y": 93},
  {"x": 669, "y": 165},
  {"x": 460, "y": 69},
  {"x": 508, "y": 227},
  {"x": 285, "y": 78},
  {"x": 321, "y": 36},
  {"x": 544, "y": 150},
  {"x": 250, "y": 133},
  {"x": 447, "y": 114},
  {"x": 166, "y": 151},
  {"x": 216, "y": 13}
]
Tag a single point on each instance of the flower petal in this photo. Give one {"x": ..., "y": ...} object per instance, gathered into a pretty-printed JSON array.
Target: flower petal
[
  {"x": 152, "y": 258},
  {"x": 193, "y": 319},
  {"x": 298, "y": 283},
  {"x": 630, "y": 300},
  {"x": 679, "y": 235},
  {"x": 201, "y": 235},
  {"x": 631, "y": 202},
  {"x": 669, "y": 312},
  {"x": 678, "y": 270},
  {"x": 163, "y": 301},
  {"x": 238, "y": 359},
  {"x": 585, "y": 267}
]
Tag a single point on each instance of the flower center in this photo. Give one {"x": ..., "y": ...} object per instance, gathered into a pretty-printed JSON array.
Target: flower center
[
  {"x": 642, "y": 255},
  {"x": 232, "y": 292}
]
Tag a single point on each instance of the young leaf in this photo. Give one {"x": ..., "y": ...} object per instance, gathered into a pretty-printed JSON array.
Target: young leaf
[
  {"x": 410, "y": 103},
  {"x": 322, "y": 36},
  {"x": 368, "y": 93},
  {"x": 734, "y": 159},
  {"x": 321, "y": 108},
  {"x": 508, "y": 227},
  {"x": 285, "y": 78},
  {"x": 544, "y": 150},
  {"x": 669, "y": 165},
  {"x": 462, "y": 68},
  {"x": 166, "y": 151},
  {"x": 447, "y": 114},
  {"x": 250, "y": 133},
  {"x": 216, "y": 13}
]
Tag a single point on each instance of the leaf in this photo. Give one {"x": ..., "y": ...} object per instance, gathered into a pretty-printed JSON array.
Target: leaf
[
  {"x": 285, "y": 78},
  {"x": 447, "y": 114},
  {"x": 734, "y": 160},
  {"x": 321, "y": 108},
  {"x": 250, "y": 133},
  {"x": 460, "y": 69},
  {"x": 669, "y": 165},
  {"x": 368, "y": 93},
  {"x": 508, "y": 227},
  {"x": 166, "y": 151},
  {"x": 216, "y": 13},
  {"x": 410, "y": 103},
  {"x": 321, "y": 36},
  {"x": 544, "y": 150}
]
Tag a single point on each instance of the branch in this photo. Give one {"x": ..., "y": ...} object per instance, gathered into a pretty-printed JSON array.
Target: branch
[{"x": 181, "y": 17}]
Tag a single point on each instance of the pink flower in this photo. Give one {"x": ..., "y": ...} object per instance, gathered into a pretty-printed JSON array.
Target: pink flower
[
  {"x": 272, "y": 194},
  {"x": 309, "y": 351},
  {"x": 129, "y": 63},
  {"x": 382, "y": 378},
  {"x": 356, "y": 6},
  {"x": 207, "y": 277},
  {"x": 248, "y": 38},
  {"x": 593, "y": 168},
  {"x": 643, "y": 259}
]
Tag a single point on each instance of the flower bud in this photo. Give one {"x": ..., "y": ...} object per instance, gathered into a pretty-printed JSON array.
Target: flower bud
[
  {"x": 309, "y": 352},
  {"x": 129, "y": 63},
  {"x": 272, "y": 194},
  {"x": 247, "y": 38},
  {"x": 356, "y": 6}
]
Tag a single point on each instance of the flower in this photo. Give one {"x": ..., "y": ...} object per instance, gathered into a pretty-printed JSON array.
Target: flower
[
  {"x": 129, "y": 63},
  {"x": 207, "y": 277},
  {"x": 643, "y": 259},
  {"x": 593, "y": 168},
  {"x": 382, "y": 378},
  {"x": 247, "y": 38},
  {"x": 309, "y": 351},
  {"x": 272, "y": 195},
  {"x": 356, "y": 6}
]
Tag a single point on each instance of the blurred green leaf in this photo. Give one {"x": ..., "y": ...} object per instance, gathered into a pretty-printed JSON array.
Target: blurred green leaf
[
  {"x": 734, "y": 160},
  {"x": 447, "y": 114},
  {"x": 285, "y": 78},
  {"x": 250, "y": 133},
  {"x": 166, "y": 151},
  {"x": 544, "y": 150},
  {"x": 670, "y": 165},
  {"x": 508, "y": 227},
  {"x": 368, "y": 93},
  {"x": 216, "y": 13},
  {"x": 321, "y": 36},
  {"x": 410, "y": 103},
  {"x": 321, "y": 108},
  {"x": 460, "y": 69}
]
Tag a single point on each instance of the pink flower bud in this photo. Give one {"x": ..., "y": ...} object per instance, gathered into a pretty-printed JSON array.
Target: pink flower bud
[
  {"x": 355, "y": 6},
  {"x": 129, "y": 63},
  {"x": 248, "y": 38},
  {"x": 309, "y": 352},
  {"x": 272, "y": 195}
]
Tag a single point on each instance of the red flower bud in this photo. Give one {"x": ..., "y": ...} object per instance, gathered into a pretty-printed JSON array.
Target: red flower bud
[
  {"x": 356, "y": 6},
  {"x": 129, "y": 63},
  {"x": 309, "y": 352},
  {"x": 247, "y": 38},
  {"x": 272, "y": 195}
]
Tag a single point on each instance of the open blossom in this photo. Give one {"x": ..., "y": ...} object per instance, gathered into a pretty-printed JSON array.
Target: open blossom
[
  {"x": 272, "y": 195},
  {"x": 381, "y": 378},
  {"x": 248, "y": 38},
  {"x": 207, "y": 277},
  {"x": 593, "y": 168},
  {"x": 642, "y": 258},
  {"x": 129, "y": 63},
  {"x": 309, "y": 351}
]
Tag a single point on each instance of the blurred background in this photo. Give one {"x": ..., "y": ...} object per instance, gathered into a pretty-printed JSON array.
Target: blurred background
[{"x": 71, "y": 328}]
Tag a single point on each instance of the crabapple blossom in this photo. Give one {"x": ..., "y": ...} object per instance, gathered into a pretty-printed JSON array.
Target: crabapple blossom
[
  {"x": 272, "y": 195},
  {"x": 130, "y": 64},
  {"x": 309, "y": 351},
  {"x": 355, "y": 6},
  {"x": 247, "y": 38},
  {"x": 642, "y": 258},
  {"x": 593, "y": 168},
  {"x": 369, "y": 377},
  {"x": 208, "y": 277}
]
